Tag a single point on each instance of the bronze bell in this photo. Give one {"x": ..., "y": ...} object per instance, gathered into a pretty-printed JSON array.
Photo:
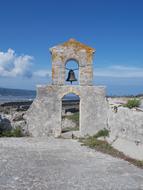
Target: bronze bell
[{"x": 71, "y": 76}]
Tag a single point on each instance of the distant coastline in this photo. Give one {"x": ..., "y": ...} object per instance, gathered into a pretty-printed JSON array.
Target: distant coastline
[
  {"x": 16, "y": 95},
  {"x": 12, "y": 95}
]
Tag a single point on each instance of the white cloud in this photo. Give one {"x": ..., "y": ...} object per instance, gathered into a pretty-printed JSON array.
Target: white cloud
[
  {"x": 119, "y": 71},
  {"x": 12, "y": 65},
  {"x": 42, "y": 73}
]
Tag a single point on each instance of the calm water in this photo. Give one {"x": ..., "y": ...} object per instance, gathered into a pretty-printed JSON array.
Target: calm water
[
  {"x": 15, "y": 98},
  {"x": 11, "y": 95}
]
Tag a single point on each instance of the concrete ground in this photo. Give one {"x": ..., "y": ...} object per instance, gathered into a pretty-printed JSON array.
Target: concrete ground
[{"x": 59, "y": 164}]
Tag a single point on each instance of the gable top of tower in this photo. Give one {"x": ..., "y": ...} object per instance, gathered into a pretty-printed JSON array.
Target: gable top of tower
[{"x": 72, "y": 43}]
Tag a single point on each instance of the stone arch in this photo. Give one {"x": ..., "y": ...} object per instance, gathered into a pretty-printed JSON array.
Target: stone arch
[
  {"x": 72, "y": 59},
  {"x": 70, "y": 91}
]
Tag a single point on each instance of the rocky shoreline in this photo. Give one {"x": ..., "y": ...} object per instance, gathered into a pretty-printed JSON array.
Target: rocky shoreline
[{"x": 12, "y": 116}]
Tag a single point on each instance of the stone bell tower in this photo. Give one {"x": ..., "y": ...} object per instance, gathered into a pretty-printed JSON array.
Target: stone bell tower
[
  {"x": 44, "y": 115},
  {"x": 76, "y": 51}
]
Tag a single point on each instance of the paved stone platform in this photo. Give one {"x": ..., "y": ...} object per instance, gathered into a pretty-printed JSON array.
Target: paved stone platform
[{"x": 62, "y": 164}]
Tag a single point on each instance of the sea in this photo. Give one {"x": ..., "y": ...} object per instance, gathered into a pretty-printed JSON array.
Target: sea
[{"x": 16, "y": 95}]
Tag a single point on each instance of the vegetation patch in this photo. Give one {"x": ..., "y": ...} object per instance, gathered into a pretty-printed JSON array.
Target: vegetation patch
[
  {"x": 132, "y": 103},
  {"x": 74, "y": 117},
  {"x": 102, "y": 133},
  {"x": 105, "y": 147},
  {"x": 11, "y": 133}
]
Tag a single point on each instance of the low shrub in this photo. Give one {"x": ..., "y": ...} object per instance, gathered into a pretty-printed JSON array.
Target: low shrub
[
  {"x": 93, "y": 142},
  {"x": 132, "y": 103},
  {"x": 12, "y": 133},
  {"x": 102, "y": 133}
]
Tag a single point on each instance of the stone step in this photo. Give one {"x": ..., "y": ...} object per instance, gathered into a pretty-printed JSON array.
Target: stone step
[{"x": 70, "y": 134}]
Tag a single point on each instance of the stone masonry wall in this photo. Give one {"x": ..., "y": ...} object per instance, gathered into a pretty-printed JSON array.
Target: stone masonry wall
[
  {"x": 126, "y": 131},
  {"x": 44, "y": 115}
]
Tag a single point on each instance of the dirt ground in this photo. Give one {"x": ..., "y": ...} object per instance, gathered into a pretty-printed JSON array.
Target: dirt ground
[{"x": 62, "y": 164}]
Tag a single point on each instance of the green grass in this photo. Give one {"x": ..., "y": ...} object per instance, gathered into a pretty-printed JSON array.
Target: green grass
[
  {"x": 105, "y": 147},
  {"x": 11, "y": 133},
  {"x": 74, "y": 117},
  {"x": 132, "y": 103},
  {"x": 102, "y": 133}
]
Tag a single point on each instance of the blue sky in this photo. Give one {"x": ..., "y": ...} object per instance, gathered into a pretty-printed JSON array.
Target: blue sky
[{"x": 114, "y": 28}]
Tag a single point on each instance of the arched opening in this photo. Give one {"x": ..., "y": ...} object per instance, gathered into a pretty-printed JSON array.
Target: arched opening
[
  {"x": 70, "y": 113},
  {"x": 72, "y": 72}
]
